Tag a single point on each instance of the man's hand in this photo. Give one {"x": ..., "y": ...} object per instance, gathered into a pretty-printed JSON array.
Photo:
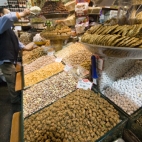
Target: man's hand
[
  {"x": 29, "y": 46},
  {"x": 24, "y": 13}
]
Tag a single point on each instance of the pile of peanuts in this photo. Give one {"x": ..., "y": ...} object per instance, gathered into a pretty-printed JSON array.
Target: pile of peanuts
[
  {"x": 69, "y": 50},
  {"x": 47, "y": 91},
  {"x": 29, "y": 56},
  {"x": 81, "y": 116},
  {"x": 43, "y": 73},
  {"x": 126, "y": 92},
  {"x": 38, "y": 63},
  {"x": 78, "y": 57}
]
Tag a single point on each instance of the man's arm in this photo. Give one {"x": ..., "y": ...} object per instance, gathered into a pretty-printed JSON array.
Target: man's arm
[
  {"x": 7, "y": 20},
  {"x": 27, "y": 47}
]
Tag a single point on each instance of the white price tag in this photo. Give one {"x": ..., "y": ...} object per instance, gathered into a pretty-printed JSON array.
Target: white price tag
[
  {"x": 58, "y": 60},
  {"x": 100, "y": 64},
  {"x": 95, "y": 81},
  {"x": 67, "y": 68},
  {"x": 84, "y": 84},
  {"x": 50, "y": 53}
]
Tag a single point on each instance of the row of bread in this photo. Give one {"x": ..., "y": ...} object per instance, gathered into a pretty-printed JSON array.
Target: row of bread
[
  {"x": 125, "y": 30},
  {"x": 81, "y": 116},
  {"x": 120, "y": 36},
  {"x": 112, "y": 40}
]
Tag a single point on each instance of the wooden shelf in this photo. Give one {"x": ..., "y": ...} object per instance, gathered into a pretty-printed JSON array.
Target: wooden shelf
[
  {"x": 15, "y": 128},
  {"x": 18, "y": 85}
]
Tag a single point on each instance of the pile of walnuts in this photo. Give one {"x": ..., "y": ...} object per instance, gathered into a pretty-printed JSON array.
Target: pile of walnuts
[{"x": 81, "y": 116}]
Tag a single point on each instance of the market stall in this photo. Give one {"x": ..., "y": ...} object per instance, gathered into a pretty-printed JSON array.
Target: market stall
[{"x": 89, "y": 90}]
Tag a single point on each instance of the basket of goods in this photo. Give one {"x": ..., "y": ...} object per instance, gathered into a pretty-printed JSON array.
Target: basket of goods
[
  {"x": 59, "y": 31},
  {"x": 38, "y": 40},
  {"x": 54, "y": 9},
  {"x": 35, "y": 10}
]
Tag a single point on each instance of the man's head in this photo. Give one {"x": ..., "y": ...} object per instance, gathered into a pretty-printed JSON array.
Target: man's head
[{"x": 3, "y": 11}]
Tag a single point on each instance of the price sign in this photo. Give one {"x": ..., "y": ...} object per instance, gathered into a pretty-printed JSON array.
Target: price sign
[
  {"x": 58, "y": 60},
  {"x": 67, "y": 68},
  {"x": 84, "y": 84},
  {"x": 100, "y": 64},
  {"x": 50, "y": 53}
]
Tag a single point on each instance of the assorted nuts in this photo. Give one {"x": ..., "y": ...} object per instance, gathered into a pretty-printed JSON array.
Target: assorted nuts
[
  {"x": 38, "y": 63},
  {"x": 81, "y": 116},
  {"x": 43, "y": 73},
  {"x": 78, "y": 57},
  {"x": 47, "y": 92},
  {"x": 69, "y": 50}
]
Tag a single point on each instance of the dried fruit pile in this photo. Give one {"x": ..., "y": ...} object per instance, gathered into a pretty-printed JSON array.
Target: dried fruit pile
[
  {"x": 38, "y": 63},
  {"x": 47, "y": 91},
  {"x": 43, "y": 73},
  {"x": 79, "y": 117}
]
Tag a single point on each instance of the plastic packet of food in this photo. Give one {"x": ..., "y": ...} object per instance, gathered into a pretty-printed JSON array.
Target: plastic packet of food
[{"x": 79, "y": 72}]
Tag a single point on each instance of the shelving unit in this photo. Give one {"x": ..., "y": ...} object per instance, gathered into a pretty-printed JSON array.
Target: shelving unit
[{"x": 16, "y": 5}]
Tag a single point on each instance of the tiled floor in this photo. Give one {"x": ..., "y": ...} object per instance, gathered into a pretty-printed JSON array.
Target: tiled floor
[{"x": 6, "y": 112}]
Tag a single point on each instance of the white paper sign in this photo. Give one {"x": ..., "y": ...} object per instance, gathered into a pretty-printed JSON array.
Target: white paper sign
[
  {"x": 67, "y": 68},
  {"x": 58, "y": 60},
  {"x": 84, "y": 84}
]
